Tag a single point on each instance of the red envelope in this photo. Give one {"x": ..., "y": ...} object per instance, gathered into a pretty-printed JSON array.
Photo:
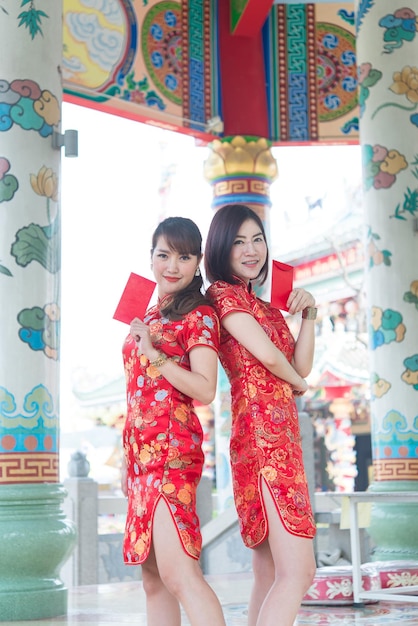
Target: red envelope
[
  {"x": 281, "y": 284},
  {"x": 135, "y": 298}
]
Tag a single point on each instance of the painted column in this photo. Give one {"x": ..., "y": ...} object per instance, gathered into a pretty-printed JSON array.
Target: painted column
[
  {"x": 240, "y": 170},
  {"x": 387, "y": 49},
  {"x": 35, "y": 537}
]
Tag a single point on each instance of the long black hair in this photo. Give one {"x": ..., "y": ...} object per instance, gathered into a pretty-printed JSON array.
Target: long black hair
[
  {"x": 183, "y": 236},
  {"x": 221, "y": 236}
]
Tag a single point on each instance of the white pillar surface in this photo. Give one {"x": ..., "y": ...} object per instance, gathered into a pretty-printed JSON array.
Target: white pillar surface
[
  {"x": 387, "y": 58},
  {"x": 30, "y": 240},
  {"x": 34, "y": 535}
]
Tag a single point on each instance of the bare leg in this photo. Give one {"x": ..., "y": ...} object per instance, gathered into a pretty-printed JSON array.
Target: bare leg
[
  {"x": 294, "y": 568},
  {"x": 162, "y": 606},
  {"x": 263, "y": 571},
  {"x": 181, "y": 573}
]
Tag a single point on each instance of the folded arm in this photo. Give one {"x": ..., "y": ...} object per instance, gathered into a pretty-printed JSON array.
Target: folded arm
[
  {"x": 248, "y": 332},
  {"x": 198, "y": 383}
]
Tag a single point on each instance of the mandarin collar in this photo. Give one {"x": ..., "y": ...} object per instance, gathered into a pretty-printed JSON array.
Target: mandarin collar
[
  {"x": 248, "y": 286},
  {"x": 164, "y": 301}
]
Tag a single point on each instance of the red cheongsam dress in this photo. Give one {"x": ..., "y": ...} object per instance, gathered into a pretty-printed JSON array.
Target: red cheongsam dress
[
  {"x": 265, "y": 437},
  {"x": 162, "y": 437}
]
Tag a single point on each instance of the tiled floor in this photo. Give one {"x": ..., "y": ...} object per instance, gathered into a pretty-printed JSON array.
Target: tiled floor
[{"x": 123, "y": 603}]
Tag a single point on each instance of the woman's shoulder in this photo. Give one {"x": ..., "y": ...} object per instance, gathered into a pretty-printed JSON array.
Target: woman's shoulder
[
  {"x": 202, "y": 310},
  {"x": 229, "y": 298},
  {"x": 202, "y": 319},
  {"x": 222, "y": 287}
]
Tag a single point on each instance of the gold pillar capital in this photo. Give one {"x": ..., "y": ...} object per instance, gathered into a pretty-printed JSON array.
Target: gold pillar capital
[{"x": 240, "y": 169}]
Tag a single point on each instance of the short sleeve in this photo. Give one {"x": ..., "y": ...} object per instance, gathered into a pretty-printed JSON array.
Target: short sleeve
[
  {"x": 228, "y": 298},
  {"x": 202, "y": 328}
]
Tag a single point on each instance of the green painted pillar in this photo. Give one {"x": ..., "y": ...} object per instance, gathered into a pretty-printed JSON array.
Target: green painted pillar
[
  {"x": 387, "y": 53},
  {"x": 35, "y": 537}
]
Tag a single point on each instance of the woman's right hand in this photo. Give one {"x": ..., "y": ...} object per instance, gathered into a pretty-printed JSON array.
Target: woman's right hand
[
  {"x": 142, "y": 335},
  {"x": 299, "y": 390},
  {"x": 138, "y": 329}
]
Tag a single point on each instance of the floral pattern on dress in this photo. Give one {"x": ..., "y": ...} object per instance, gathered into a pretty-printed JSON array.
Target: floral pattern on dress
[
  {"x": 162, "y": 437},
  {"x": 265, "y": 435}
]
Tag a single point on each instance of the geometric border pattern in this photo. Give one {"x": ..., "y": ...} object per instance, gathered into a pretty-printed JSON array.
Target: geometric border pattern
[
  {"x": 196, "y": 62},
  {"x": 33, "y": 467},
  {"x": 296, "y": 73},
  {"x": 395, "y": 469}
]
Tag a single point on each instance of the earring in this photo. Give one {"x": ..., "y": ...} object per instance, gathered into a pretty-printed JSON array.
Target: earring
[{"x": 197, "y": 272}]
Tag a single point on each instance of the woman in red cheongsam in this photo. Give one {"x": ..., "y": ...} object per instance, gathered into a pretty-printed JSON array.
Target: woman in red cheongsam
[
  {"x": 266, "y": 369},
  {"x": 170, "y": 359}
]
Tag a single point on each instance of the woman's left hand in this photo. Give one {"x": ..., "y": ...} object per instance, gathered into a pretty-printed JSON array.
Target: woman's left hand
[{"x": 298, "y": 300}]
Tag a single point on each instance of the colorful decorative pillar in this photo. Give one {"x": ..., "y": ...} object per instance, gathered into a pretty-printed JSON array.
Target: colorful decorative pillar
[
  {"x": 387, "y": 49},
  {"x": 35, "y": 537},
  {"x": 240, "y": 170}
]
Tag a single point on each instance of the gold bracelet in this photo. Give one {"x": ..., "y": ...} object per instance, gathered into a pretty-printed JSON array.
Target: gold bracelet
[
  {"x": 309, "y": 313},
  {"x": 160, "y": 360}
]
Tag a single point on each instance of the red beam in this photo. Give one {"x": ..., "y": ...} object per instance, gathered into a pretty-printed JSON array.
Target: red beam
[{"x": 243, "y": 91}]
